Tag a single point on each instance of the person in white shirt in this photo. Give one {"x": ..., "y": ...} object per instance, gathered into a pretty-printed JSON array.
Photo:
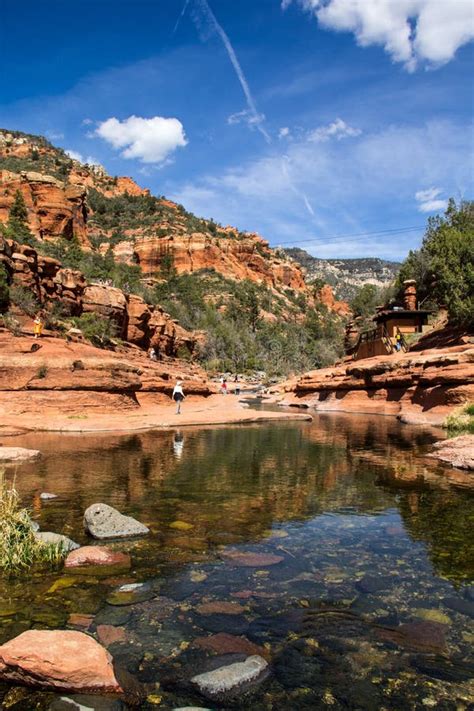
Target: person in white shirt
[{"x": 178, "y": 396}]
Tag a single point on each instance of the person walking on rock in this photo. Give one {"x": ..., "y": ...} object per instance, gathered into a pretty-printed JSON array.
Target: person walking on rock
[{"x": 178, "y": 396}]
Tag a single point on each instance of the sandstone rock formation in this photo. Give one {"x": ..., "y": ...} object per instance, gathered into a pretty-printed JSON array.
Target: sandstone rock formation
[
  {"x": 50, "y": 283},
  {"x": 326, "y": 297},
  {"x": 458, "y": 451},
  {"x": 63, "y": 660},
  {"x": 55, "y": 209},
  {"x": 421, "y": 387}
]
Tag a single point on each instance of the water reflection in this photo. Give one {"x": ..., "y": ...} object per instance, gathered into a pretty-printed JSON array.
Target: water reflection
[{"x": 337, "y": 501}]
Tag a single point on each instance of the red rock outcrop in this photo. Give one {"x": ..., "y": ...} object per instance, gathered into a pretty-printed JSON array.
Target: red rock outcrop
[
  {"x": 135, "y": 321},
  {"x": 63, "y": 659},
  {"x": 417, "y": 387},
  {"x": 326, "y": 296},
  {"x": 55, "y": 209},
  {"x": 238, "y": 257}
]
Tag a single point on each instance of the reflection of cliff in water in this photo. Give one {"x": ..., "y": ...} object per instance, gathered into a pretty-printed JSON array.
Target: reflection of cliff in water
[{"x": 233, "y": 483}]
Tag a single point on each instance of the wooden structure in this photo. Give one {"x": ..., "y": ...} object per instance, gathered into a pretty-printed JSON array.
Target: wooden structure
[{"x": 392, "y": 326}]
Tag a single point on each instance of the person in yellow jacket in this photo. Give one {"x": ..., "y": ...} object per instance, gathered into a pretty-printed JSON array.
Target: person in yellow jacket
[{"x": 38, "y": 326}]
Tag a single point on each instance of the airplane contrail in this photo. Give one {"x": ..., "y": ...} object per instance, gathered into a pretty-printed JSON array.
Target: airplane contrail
[
  {"x": 185, "y": 7},
  {"x": 256, "y": 117}
]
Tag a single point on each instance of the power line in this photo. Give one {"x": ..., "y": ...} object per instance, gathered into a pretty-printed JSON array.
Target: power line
[{"x": 352, "y": 237}]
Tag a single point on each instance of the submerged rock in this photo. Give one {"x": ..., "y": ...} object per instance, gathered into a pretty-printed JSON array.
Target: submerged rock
[
  {"x": 84, "y": 702},
  {"x": 224, "y": 643},
  {"x": 220, "y": 608},
  {"x": 417, "y": 636},
  {"x": 49, "y": 537},
  {"x": 130, "y": 594},
  {"x": 97, "y": 555},
  {"x": 232, "y": 679},
  {"x": 53, "y": 659},
  {"x": 252, "y": 560},
  {"x": 465, "y": 607},
  {"x": 103, "y": 521}
]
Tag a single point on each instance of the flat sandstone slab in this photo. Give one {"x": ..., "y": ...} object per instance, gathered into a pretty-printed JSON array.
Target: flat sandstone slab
[{"x": 18, "y": 454}]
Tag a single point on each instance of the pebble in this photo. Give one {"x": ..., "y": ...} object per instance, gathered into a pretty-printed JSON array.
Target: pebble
[{"x": 45, "y": 496}]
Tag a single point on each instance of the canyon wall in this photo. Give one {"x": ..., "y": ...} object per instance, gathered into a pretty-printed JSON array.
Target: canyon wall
[
  {"x": 418, "y": 387},
  {"x": 135, "y": 321}
]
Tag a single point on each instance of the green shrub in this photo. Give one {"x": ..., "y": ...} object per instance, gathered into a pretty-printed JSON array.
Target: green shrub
[
  {"x": 97, "y": 329},
  {"x": 461, "y": 421},
  {"x": 24, "y": 299},
  {"x": 42, "y": 372},
  {"x": 19, "y": 548},
  {"x": 4, "y": 290}
]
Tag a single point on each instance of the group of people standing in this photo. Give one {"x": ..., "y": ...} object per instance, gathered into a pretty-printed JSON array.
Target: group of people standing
[{"x": 225, "y": 387}]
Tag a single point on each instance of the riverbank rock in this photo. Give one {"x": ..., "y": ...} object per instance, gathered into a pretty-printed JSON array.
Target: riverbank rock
[
  {"x": 97, "y": 555},
  {"x": 458, "y": 451},
  {"x": 48, "y": 537},
  {"x": 18, "y": 454},
  {"x": 62, "y": 659},
  {"x": 103, "y": 521},
  {"x": 231, "y": 679}
]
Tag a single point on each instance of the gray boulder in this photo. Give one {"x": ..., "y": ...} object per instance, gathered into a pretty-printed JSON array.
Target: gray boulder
[
  {"x": 103, "y": 521},
  {"x": 50, "y": 537}
]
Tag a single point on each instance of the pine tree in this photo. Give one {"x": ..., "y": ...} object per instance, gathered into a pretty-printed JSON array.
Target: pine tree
[{"x": 17, "y": 225}]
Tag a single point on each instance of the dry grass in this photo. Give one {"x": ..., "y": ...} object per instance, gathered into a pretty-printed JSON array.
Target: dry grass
[{"x": 19, "y": 548}]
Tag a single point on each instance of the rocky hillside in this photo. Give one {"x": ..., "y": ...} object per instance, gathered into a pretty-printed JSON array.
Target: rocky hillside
[
  {"x": 346, "y": 276},
  {"x": 66, "y": 198},
  {"x": 252, "y": 303}
]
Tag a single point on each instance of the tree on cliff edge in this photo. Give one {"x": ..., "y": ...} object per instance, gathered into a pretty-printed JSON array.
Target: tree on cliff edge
[
  {"x": 17, "y": 225},
  {"x": 444, "y": 264}
]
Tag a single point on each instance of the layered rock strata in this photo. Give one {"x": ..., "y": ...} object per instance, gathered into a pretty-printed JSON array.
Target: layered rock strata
[
  {"x": 421, "y": 387},
  {"x": 135, "y": 321}
]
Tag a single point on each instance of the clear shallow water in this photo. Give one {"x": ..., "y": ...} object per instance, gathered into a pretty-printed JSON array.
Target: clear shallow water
[{"x": 371, "y": 536}]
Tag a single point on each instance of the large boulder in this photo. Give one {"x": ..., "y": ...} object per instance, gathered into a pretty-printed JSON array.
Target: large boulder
[
  {"x": 58, "y": 659},
  {"x": 103, "y": 521}
]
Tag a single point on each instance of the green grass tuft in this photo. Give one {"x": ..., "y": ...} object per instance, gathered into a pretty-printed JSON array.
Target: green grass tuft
[{"x": 19, "y": 548}]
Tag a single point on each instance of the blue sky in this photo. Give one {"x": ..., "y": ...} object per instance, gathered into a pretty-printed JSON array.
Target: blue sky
[{"x": 334, "y": 125}]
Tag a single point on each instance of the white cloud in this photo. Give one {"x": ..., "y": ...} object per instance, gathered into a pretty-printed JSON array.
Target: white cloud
[
  {"x": 350, "y": 187},
  {"x": 284, "y": 132},
  {"x": 246, "y": 116},
  {"x": 429, "y": 200},
  {"x": 75, "y": 155},
  {"x": 410, "y": 31},
  {"x": 149, "y": 140},
  {"x": 338, "y": 129},
  {"x": 87, "y": 122}
]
